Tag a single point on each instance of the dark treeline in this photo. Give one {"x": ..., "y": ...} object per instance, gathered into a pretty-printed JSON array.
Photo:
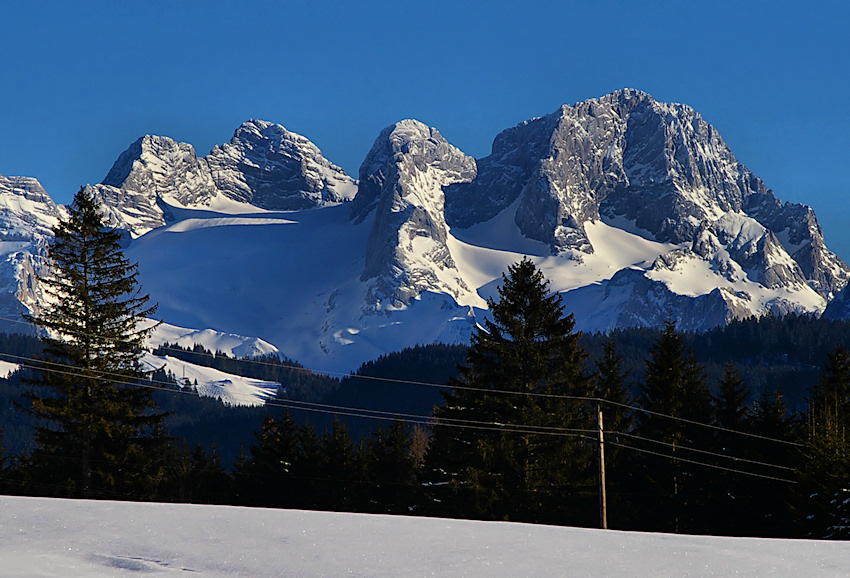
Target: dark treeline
[{"x": 269, "y": 457}]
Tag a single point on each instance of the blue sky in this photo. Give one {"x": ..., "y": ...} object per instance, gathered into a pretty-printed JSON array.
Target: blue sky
[{"x": 80, "y": 81}]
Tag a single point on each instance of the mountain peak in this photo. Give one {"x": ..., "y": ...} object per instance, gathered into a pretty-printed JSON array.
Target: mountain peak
[
  {"x": 160, "y": 166},
  {"x": 637, "y": 211},
  {"x": 402, "y": 182},
  {"x": 273, "y": 168}
]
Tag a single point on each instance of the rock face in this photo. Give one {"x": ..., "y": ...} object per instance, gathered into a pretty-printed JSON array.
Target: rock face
[
  {"x": 269, "y": 167},
  {"x": 660, "y": 166},
  {"x": 154, "y": 173},
  {"x": 401, "y": 185},
  {"x": 264, "y": 167},
  {"x": 27, "y": 215},
  {"x": 158, "y": 166},
  {"x": 637, "y": 211}
]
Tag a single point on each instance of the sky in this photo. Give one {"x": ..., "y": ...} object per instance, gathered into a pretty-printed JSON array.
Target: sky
[{"x": 80, "y": 81}]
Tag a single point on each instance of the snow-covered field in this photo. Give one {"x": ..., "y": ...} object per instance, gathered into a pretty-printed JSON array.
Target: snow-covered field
[{"x": 50, "y": 537}]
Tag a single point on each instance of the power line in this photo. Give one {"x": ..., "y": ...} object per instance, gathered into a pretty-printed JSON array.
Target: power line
[
  {"x": 708, "y": 425},
  {"x": 474, "y": 389},
  {"x": 429, "y": 420},
  {"x": 699, "y": 451},
  {"x": 419, "y": 419},
  {"x": 123, "y": 379},
  {"x": 713, "y": 466}
]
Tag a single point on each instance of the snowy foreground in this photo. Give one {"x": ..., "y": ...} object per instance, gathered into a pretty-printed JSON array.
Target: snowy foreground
[{"x": 49, "y": 537}]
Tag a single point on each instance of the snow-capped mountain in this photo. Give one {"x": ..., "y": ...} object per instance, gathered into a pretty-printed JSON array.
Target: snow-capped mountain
[
  {"x": 666, "y": 173},
  {"x": 269, "y": 167},
  {"x": 27, "y": 215},
  {"x": 264, "y": 167},
  {"x": 637, "y": 211},
  {"x": 401, "y": 186}
]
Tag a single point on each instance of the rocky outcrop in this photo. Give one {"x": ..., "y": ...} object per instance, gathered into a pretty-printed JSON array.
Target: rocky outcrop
[
  {"x": 264, "y": 166},
  {"x": 637, "y": 211},
  {"x": 159, "y": 167},
  {"x": 27, "y": 216},
  {"x": 660, "y": 166},
  {"x": 401, "y": 185},
  {"x": 269, "y": 167},
  {"x": 155, "y": 172}
]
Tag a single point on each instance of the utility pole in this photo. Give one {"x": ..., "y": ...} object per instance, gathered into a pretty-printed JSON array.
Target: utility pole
[{"x": 603, "y": 501}]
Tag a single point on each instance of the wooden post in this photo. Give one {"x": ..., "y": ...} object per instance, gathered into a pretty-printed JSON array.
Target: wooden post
[{"x": 603, "y": 502}]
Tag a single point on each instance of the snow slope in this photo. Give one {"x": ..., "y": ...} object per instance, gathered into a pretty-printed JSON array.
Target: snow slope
[
  {"x": 293, "y": 281},
  {"x": 230, "y": 389},
  {"x": 214, "y": 341},
  {"x": 6, "y": 368},
  {"x": 77, "y": 538},
  {"x": 636, "y": 211},
  {"x": 290, "y": 279}
]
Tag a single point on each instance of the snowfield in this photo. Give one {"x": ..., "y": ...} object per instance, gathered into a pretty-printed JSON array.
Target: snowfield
[
  {"x": 51, "y": 537},
  {"x": 292, "y": 282},
  {"x": 230, "y": 389}
]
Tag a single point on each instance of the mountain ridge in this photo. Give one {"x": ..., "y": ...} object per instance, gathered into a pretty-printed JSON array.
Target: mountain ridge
[{"x": 637, "y": 211}]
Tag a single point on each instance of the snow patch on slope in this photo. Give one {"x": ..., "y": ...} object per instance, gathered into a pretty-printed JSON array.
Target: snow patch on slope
[
  {"x": 208, "y": 382},
  {"x": 228, "y": 343},
  {"x": 7, "y": 368}
]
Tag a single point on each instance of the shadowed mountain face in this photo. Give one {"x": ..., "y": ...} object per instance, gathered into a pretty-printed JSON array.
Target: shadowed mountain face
[
  {"x": 637, "y": 211},
  {"x": 658, "y": 165}
]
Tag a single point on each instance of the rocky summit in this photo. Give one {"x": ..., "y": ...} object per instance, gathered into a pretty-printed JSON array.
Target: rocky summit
[{"x": 637, "y": 211}]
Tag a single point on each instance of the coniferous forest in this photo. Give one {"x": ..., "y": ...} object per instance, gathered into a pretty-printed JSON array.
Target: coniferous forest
[
  {"x": 742, "y": 430},
  {"x": 286, "y": 455}
]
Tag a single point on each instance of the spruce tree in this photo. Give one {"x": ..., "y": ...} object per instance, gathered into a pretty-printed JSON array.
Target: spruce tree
[
  {"x": 391, "y": 469},
  {"x": 674, "y": 387},
  {"x": 268, "y": 477},
  {"x": 731, "y": 402},
  {"x": 340, "y": 476},
  {"x": 768, "y": 499},
  {"x": 612, "y": 385},
  {"x": 199, "y": 477},
  {"x": 825, "y": 470},
  {"x": 101, "y": 434},
  {"x": 732, "y": 495},
  {"x": 4, "y": 466},
  {"x": 498, "y": 455}
]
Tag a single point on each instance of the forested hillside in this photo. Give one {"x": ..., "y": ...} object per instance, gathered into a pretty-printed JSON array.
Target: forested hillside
[{"x": 757, "y": 376}]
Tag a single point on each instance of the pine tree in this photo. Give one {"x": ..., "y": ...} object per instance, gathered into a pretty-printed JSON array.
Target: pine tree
[
  {"x": 103, "y": 436},
  {"x": 825, "y": 471},
  {"x": 674, "y": 386},
  {"x": 268, "y": 476},
  {"x": 391, "y": 469},
  {"x": 479, "y": 464}
]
